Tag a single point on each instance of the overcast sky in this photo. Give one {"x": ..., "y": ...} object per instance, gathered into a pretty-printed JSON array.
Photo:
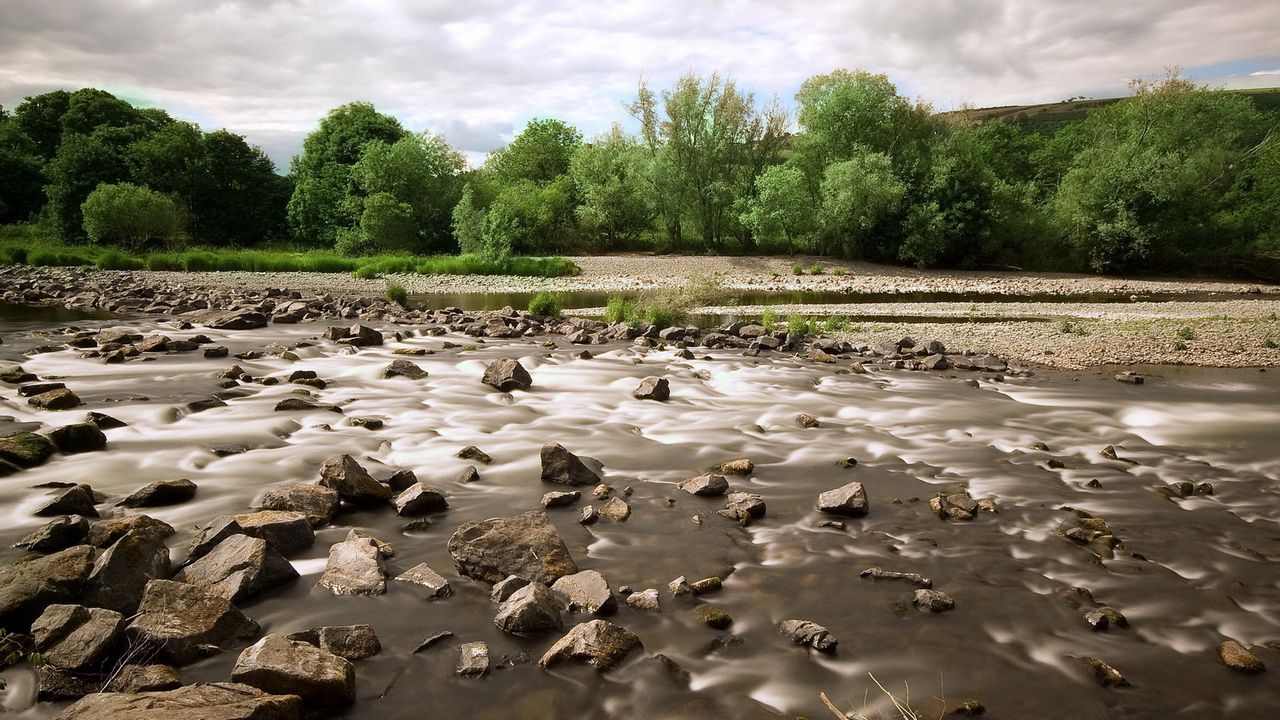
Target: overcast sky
[{"x": 477, "y": 70}]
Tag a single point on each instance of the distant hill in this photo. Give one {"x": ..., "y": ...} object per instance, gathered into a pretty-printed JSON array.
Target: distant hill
[{"x": 1049, "y": 117}]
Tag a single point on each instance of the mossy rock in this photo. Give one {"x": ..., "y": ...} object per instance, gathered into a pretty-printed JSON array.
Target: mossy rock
[
  {"x": 26, "y": 449},
  {"x": 713, "y": 616}
]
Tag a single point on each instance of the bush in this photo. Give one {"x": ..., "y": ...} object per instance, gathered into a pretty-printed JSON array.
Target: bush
[
  {"x": 129, "y": 215},
  {"x": 768, "y": 319},
  {"x": 816, "y": 269},
  {"x": 660, "y": 316},
  {"x": 116, "y": 260},
  {"x": 1186, "y": 333},
  {"x": 619, "y": 309},
  {"x": 798, "y": 325},
  {"x": 838, "y": 272},
  {"x": 834, "y": 324},
  {"x": 545, "y": 304},
  {"x": 797, "y": 269},
  {"x": 397, "y": 294}
]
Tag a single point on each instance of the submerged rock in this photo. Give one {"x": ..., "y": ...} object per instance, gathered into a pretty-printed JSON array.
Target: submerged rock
[
  {"x": 281, "y": 666},
  {"x": 526, "y": 545},
  {"x": 1104, "y": 674},
  {"x": 932, "y": 600},
  {"x": 563, "y": 467},
  {"x": 598, "y": 643},
  {"x": 1238, "y": 658},
  {"x": 422, "y": 574},
  {"x": 560, "y": 499},
  {"x": 740, "y": 466},
  {"x": 471, "y": 452},
  {"x": 805, "y": 632}
]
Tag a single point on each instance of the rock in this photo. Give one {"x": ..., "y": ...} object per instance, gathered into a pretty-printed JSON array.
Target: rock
[
  {"x": 471, "y": 452},
  {"x": 75, "y": 500},
  {"x": 186, "y": 623},
  {"x": 161, "y": 492},
  {"x": 589, "y": 515},
  {"x": 26, "y": 449},
  {"x": 206, "y": 404},
  {"x": 281, "y": 666},
  {"x": 616, "y": 509},
  {"x": 353, "y": 482},
  {"x": 645, "y": 600},
  {"x": 587, "y": 592},
  {"x": 420, "y": 499},
  {"x": 402, "y": 480},
  {"x": 239, "y": 568},
  {"x": 1238, "y": 658},
  {"x": 563, "y": 467},
  {"x": 653, "y": 388},
  {"x": 743, "y": 507},
  {"x": 507, "y": 375},
  {"x": 741, "y": 466},
  {"x": 56, "y": 535},
  {"x": 353, "y": 642},
  {"x": 598, "y": 643},
  {"x": 807, "y": 421},
  {"x": 74, "y": 637},
  {"x": 362, "y": 336},
  {"x": 432, "y": 640},
  {"x": 78, "y": 438},
  {"x": 104, "y": 533},
  {"x": 526, "y": 545},
  {"x": 469, "y": 474},
  {"x": 286, "y": 532},
  {"x": 318, "y": 503},
  {"x": 848, "y": 500},
  {"x": 55, "y": 684},
  {"x": 954, "y": 506},
  {"x": 296, "y": 403},
  {"x": 532, "y": 608},
  {"x": 932, "y": 600},
  {"x": 560, "y": 499},
  {"x": 805, "y": 632},
  {"x": 144, "y": 678},
  {"x": 706, "y": 585},
  {"x": 706, "y": 485},
  {"x": 232, "y": 320},
  {"x": 680, "y": 587},
  {"x": 713, "y": 616},
  {"x": 935, "y": 362},
  {"x": 121, "y": 574},
  {"x": 473, "y": 659},
  {"x": 506, "y": 587},
  {"x": 405, "y": 369},
  {"x": 916, "y": 579},
  {"x": 1104, "y": 674},
  {"x": 1132, "y": 378},
  {"x": 202, "y": 701},
  {"x": 355, "y": 568},
  {"x": 58, "y": 399},
  {"x": 435, "y": 583}
]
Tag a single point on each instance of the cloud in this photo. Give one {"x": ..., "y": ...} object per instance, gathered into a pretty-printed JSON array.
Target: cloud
[
  {"x": 1261, "y": 73},
  {"x": 476, "y": 71}
]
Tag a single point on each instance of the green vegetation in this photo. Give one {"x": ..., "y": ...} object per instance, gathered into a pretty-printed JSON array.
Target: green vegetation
[
  {"x": 1072, "y": 328},
  {"x": 545, "y": 304},
  {"x": 797, "y": 269},
  {"x": 1186, "y": 333},
  {"x": 834, "y": 324},
  {"x": 768, "y": 319},
  {"x": 397, "y": 294},
  {"x": 14, "y": 650},
  {"x": 799, "y": 325},
  {"x": 1270, "y": 344}
]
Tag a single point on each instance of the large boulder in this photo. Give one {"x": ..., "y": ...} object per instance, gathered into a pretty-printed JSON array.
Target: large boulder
[
  {"x": 706, "y": 485},
  {"x": 563, "y": 467},
  {"x": 78, "y": 438},
  {"x": 232, "y": 319},
  {"x": 587, "y": 592},
  {"x": 598, "y": 643},
  {"x": 105, "y": 533},
  {"x": 653, "y": 388},
  {"x": 74, "y": 637},
  {"x": 353, "y": 483},
  {"x": 186, "y": 623},
  {"x": 317, "y": 502},
  {"x": 507, "y": 375},
  {"x": 161, "y": 492},
  {"x": 419, "y": 499},
  {"x": 286, "y": 532},
  {"x": 120, "y": 575},
  {"x": 58, "y": 534},
  {"x": 526, "y": 545},
  {"x": 211, "y": 701},
  {"x": 281, "y": 666},
  {"x": 239, "y": 568},
  {"x": 404, "y": 368},
  {"x": 849, "y": 500},
  {"x": 355, "y": 568},
  {"x": 533, "y": 608},
  {"x": 26, "y": 449}
]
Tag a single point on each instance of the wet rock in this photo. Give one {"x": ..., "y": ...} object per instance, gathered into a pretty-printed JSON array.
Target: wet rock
[
  {"x": 807, "y": 421},
  {"x": 706, "y": 585},
  {"x": 848, "y": 501},
  {"x": 316, "y": 502},
  {"x": 55, "y": 684},
  {"x": 712, "y": 616},
  {"x": 402, "y": 480},
  {"x": 706, "y": 485},
  {"x": 206, "y": 404},
  {"x": 431, "y": 640},
  {"x": 186, "y": 623},
  {"x": 405, "y": 369},
  {"x": 616, "y": 509},
  {"x": 121, "y": 574},
  {"x": 805, "y": 632},
  {"x": 563, "y": 467},
  {"x": 285, "y": 531},
  {"x": 1238, "y": 658},
  {"x": 56, "y": 535},
  {"x": 352, "y": 481},
  {"x": 362, "y": 336},
  {"x": 352, "y": 642},
  {"x": 525, "y": 545},
  {"x": 507, "y": 375},
  {"x": 435, "y": 583},
  {"x": 239, "y": 568},
  {"x": 367, "y": 423},
  {"x": 471, "y": 452},
  {"x": 59, "y": 399},
  {"x": 232, "y": 319},
  {"x": 144, "y": 678},
  {"x": 302, "y": 404},
  {"x": 75, "y": 500},
  {"x": 744, "y": 508},
  {"x": 935, "y": 362},
  {"x": 355, "y": 568},
  {"x": 587, "y": 592},
  {"x": 875, "y": 573},
  {"x": 420, "y": 499},
  {"x": 473, "y": 659},
  {"x": 152, "y": 343},
  {"x": 1132, "y": 378},
  {"x": 78, "y": 438},
  {"x": 560, "y": 499},
  {"x": 16, "y": 375},
  {"x": 74, "y": 637},
  {"x": 589, "y": 515},
  {"x": 211, "y": 701},
  {"x": 161, "y": 492},
  {"x": 281, "y": 666},
  {"x": 740, "y": 466},
  {"x": 1103, "y": 674},
  {"x": 598, "y": 643},
  {"x": 932, "y": 600},
  {"x": 532, "y": 608},
  {"x": 653, "y": 388},
  {"x": 26, "y": 449},
  {"x": 104, "y": 533},
  {"x": 506, "y": 587},
  {"x": 645, "y": 600},
  {"x": 680, "y": 587},
  {"x": 954, "y": 506}
]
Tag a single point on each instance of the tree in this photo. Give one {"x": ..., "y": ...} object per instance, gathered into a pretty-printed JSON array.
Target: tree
[
  {"x": 388, "y": 225},
  {"x": 858, "y": 194},
  {"x": 89, "y": 109},
  {"x": 842, "y": 112},
  {"x": 130, "y": 216},
  {"x": 21, "y": 173},
  {"x": 237, "y": 198},
  {"x": 40, "y": 117},
  {"x": 540, "y": 153},
  {"x": 468, "y": 223},
  {"x": 422, "y": 173},
  {"x": 609, "y": 176},
  {"x": 82, "y": 164},
  {"x": 325, "y": 196},
  {"x": 783, "y": 209}
]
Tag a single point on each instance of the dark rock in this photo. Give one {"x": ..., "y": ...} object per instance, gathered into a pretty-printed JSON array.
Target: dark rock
[
  {"x": 532, "y": 608},
  {"x": 144, "y": 678},
  {"x": 598, "y": 643},
  {"x": 471, "y": 452},
  {"x": 807, "y": 421},
  {"x": 104, "y": 421},
  {"x": 239, "y": 568},
  {"x": 653, "y": 388},
  {"x": 1103, "y": 674},
  {"x": 316, "y": 502},
  {"x": 525, "y": 545},
  {"x": 120, "y": 575},
  {"x": 75, "y": 500},
  {"x": 34, "y": 389},
  {"x": 469, "y": 474},
  {"x": 16, "y": 375},
  {"x": 26, "y": 449},
  {"x": 563, "y": 467},
  {"x": 285, "y": 531},
  {"x": 206, "y": 404},
  {"x": 186, "y": 623},
  {"x": 560, "y": 499},
  {"x": 212, "y": 701},
  {"x": 353, "y": 642},
  {"x": 60, "y": 399},
  {"x": 74, "y": 637},
  {"x": 55, "y": 684},
  {"x": 507, "y": 375},
  {"x": 849, "y": 501},
  {"x": 56, "y": 535},
  {"x": 932, "y": 600},
  {"x": 104, "y": 533},
  {"x": 404, "y": 368},
  {"x": 362, "y": 336},
  {"x": 161, "y": 492},
  {"x": 706, "y": 485},
  {"x": 402, "y": 480},
  {"x": 281, "y": 666},
  {"x": 353, "y": 482},
  {"x": 1132, "y": 378},
  {"x": 805, "y": 632},
  {"x": 916, "y": 579},
  {"x": 232, "y": 320},
  {"x": 587, "y": 592},
  {"x": 294, "y": 404},
  {"x": 713, "y": 616},
  {"x": 740, "y": 466},
  {"x": 420, "y": 499},
  {"x": 504, "y": 588},
  {"x": 589, "y": 515}
]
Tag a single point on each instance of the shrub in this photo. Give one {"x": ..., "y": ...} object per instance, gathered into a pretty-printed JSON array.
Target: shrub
[
  {"x": 768, "y": 318},
  {"x": 366, "y": 272},
  {"x": 660, "y": 316},
  {"x": 397, "y": 294},
  {"x": 545, "y": 304},
  {"x": 798, "y": 325},
  {"x": 619, "y": 309},
  {"x": 838, "y": 272},
  {"x": 116, "y": 260},
  {"x": 834, "y": 324},
  {"x": 1180, "y": 346},
  {"x": 797, "y": 269},
  {"x": 129, "y": 215},
  {"x": 815, "y": 269},
  {"x": 1186, "y": 333}
]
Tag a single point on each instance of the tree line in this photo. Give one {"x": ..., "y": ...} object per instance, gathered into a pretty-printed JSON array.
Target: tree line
[{"x": 1175, "y": 176}]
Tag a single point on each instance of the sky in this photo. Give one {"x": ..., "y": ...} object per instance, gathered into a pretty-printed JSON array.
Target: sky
[{"x": 477, "y": 71}]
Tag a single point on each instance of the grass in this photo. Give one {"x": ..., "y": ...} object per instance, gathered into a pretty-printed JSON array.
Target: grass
[
  {"x": 1072, "y": 328},
  {"x": 768, "y": 319},
  {"x": 798, "y": 325},
  {"x": 1270, "y": 344},
  {"x": 838, "y": 272},
  {"x": 834, "y": 324},
  {"x": 668, "y": 307},
  {"x": 797, "y": 269},
  {"x": 815, "y": 269},
  {"x": 1186, "y": 333},
  {"x": 397, "y": 294},
  {"x": 545, "y": 304}
]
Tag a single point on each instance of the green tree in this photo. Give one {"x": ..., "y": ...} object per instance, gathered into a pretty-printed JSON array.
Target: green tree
[
  {"x": 540, "y": 153},
  {"x": 40, "y": 117},
  {"x": 388, "y": 225},
  {"x": 129, "y": 216},
  {"x": 422, "y": 173},
  {"x": 842, "y": 113},
  {"x": 469, "y": 223},
  {"x": 82, "y": 164},
  {"x": 609, "y": 176},
  {"x": 783, "y": 209},
  {"x": 326, "y": 197},
  {"x": 21, "y": 173},
  {"x": 237, "y": 199},
  {"x": 89, "y": 109},
  {"x": 858, "y": 196}
]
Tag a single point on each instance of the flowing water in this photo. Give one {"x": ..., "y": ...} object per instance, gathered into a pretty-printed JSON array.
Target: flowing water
[{"x": 1189, "y": 573}]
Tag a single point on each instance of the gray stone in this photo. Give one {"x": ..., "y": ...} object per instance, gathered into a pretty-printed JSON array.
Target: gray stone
[
  {"x": 435, "y": 583},
  {"x": 653, "y": 388},
  {"x": 916, "y": 579},
  {"x": 743, "y": 507},
  {"x": 318, "y": 503},
  {"x": 74, "y": 637},
  {"x": 420, "y": 499},
  {"x": 616, "y": 509},
  {"x": 78, "y": 438},
  {"x": 563, "y": 467},
  {"x": 706, "y": 485},
  {"x": 353, "y": 642},
  {"x": 232, "y": 319},
  {"x": 352, "y": 481},
  {"x": 473, "y": 659},
  {"x": 281, "y": 666},
  {"x": 75, "y": 500},
  {"x": 849, "y": 500},
  {"x": 1103, "y": 673},
  {"x": 932, "y": 600},
  {"x": 58, "y": 399},
  {"x": 285, "y": 531},
  {"x": 26, "y": 449},
  {"x": 355, "y": 568},
  {"x": 121, "y": 574},
  {"x": 471, "y": 452},
  {"x": 598, "y": 643},
  {"x": 213, "y": 701},
  {"x": 239, "y": 568},
  {"x": 646, "y": 600},
  {"x": 587, "y": 592},
  {"x": 404, "y": 368},
  {"x": 805, "y": 632},
  {"x": 504, "y": 588},
  {"x": 526, "y": 545},
  {"x": 532, "y": 608},
  {"x": 186, "y": 623},
  {"x": 161, "y": 492},
  {"x": 104, "y": 533},
  {"x": 507, "y": 375},
  {"x": 55, "y": 535},
  {"x": 560, "y": 499}
]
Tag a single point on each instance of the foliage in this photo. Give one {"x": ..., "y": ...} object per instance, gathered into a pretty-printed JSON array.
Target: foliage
[
  {"x": 541, "y": 153},
  {"x": 610, "y": 178},
  {"x": 545, "y": 304},
  {"x": 416, "y": 183},
  {"x": 783, "y": 208},
  {"x": 858, "y": 195},
  {"x": 397, "y": 294},
  {"x": 798, "y": 325},
  {"x": 131, "y": 216},
  {"x": 619, "y": 309}
]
